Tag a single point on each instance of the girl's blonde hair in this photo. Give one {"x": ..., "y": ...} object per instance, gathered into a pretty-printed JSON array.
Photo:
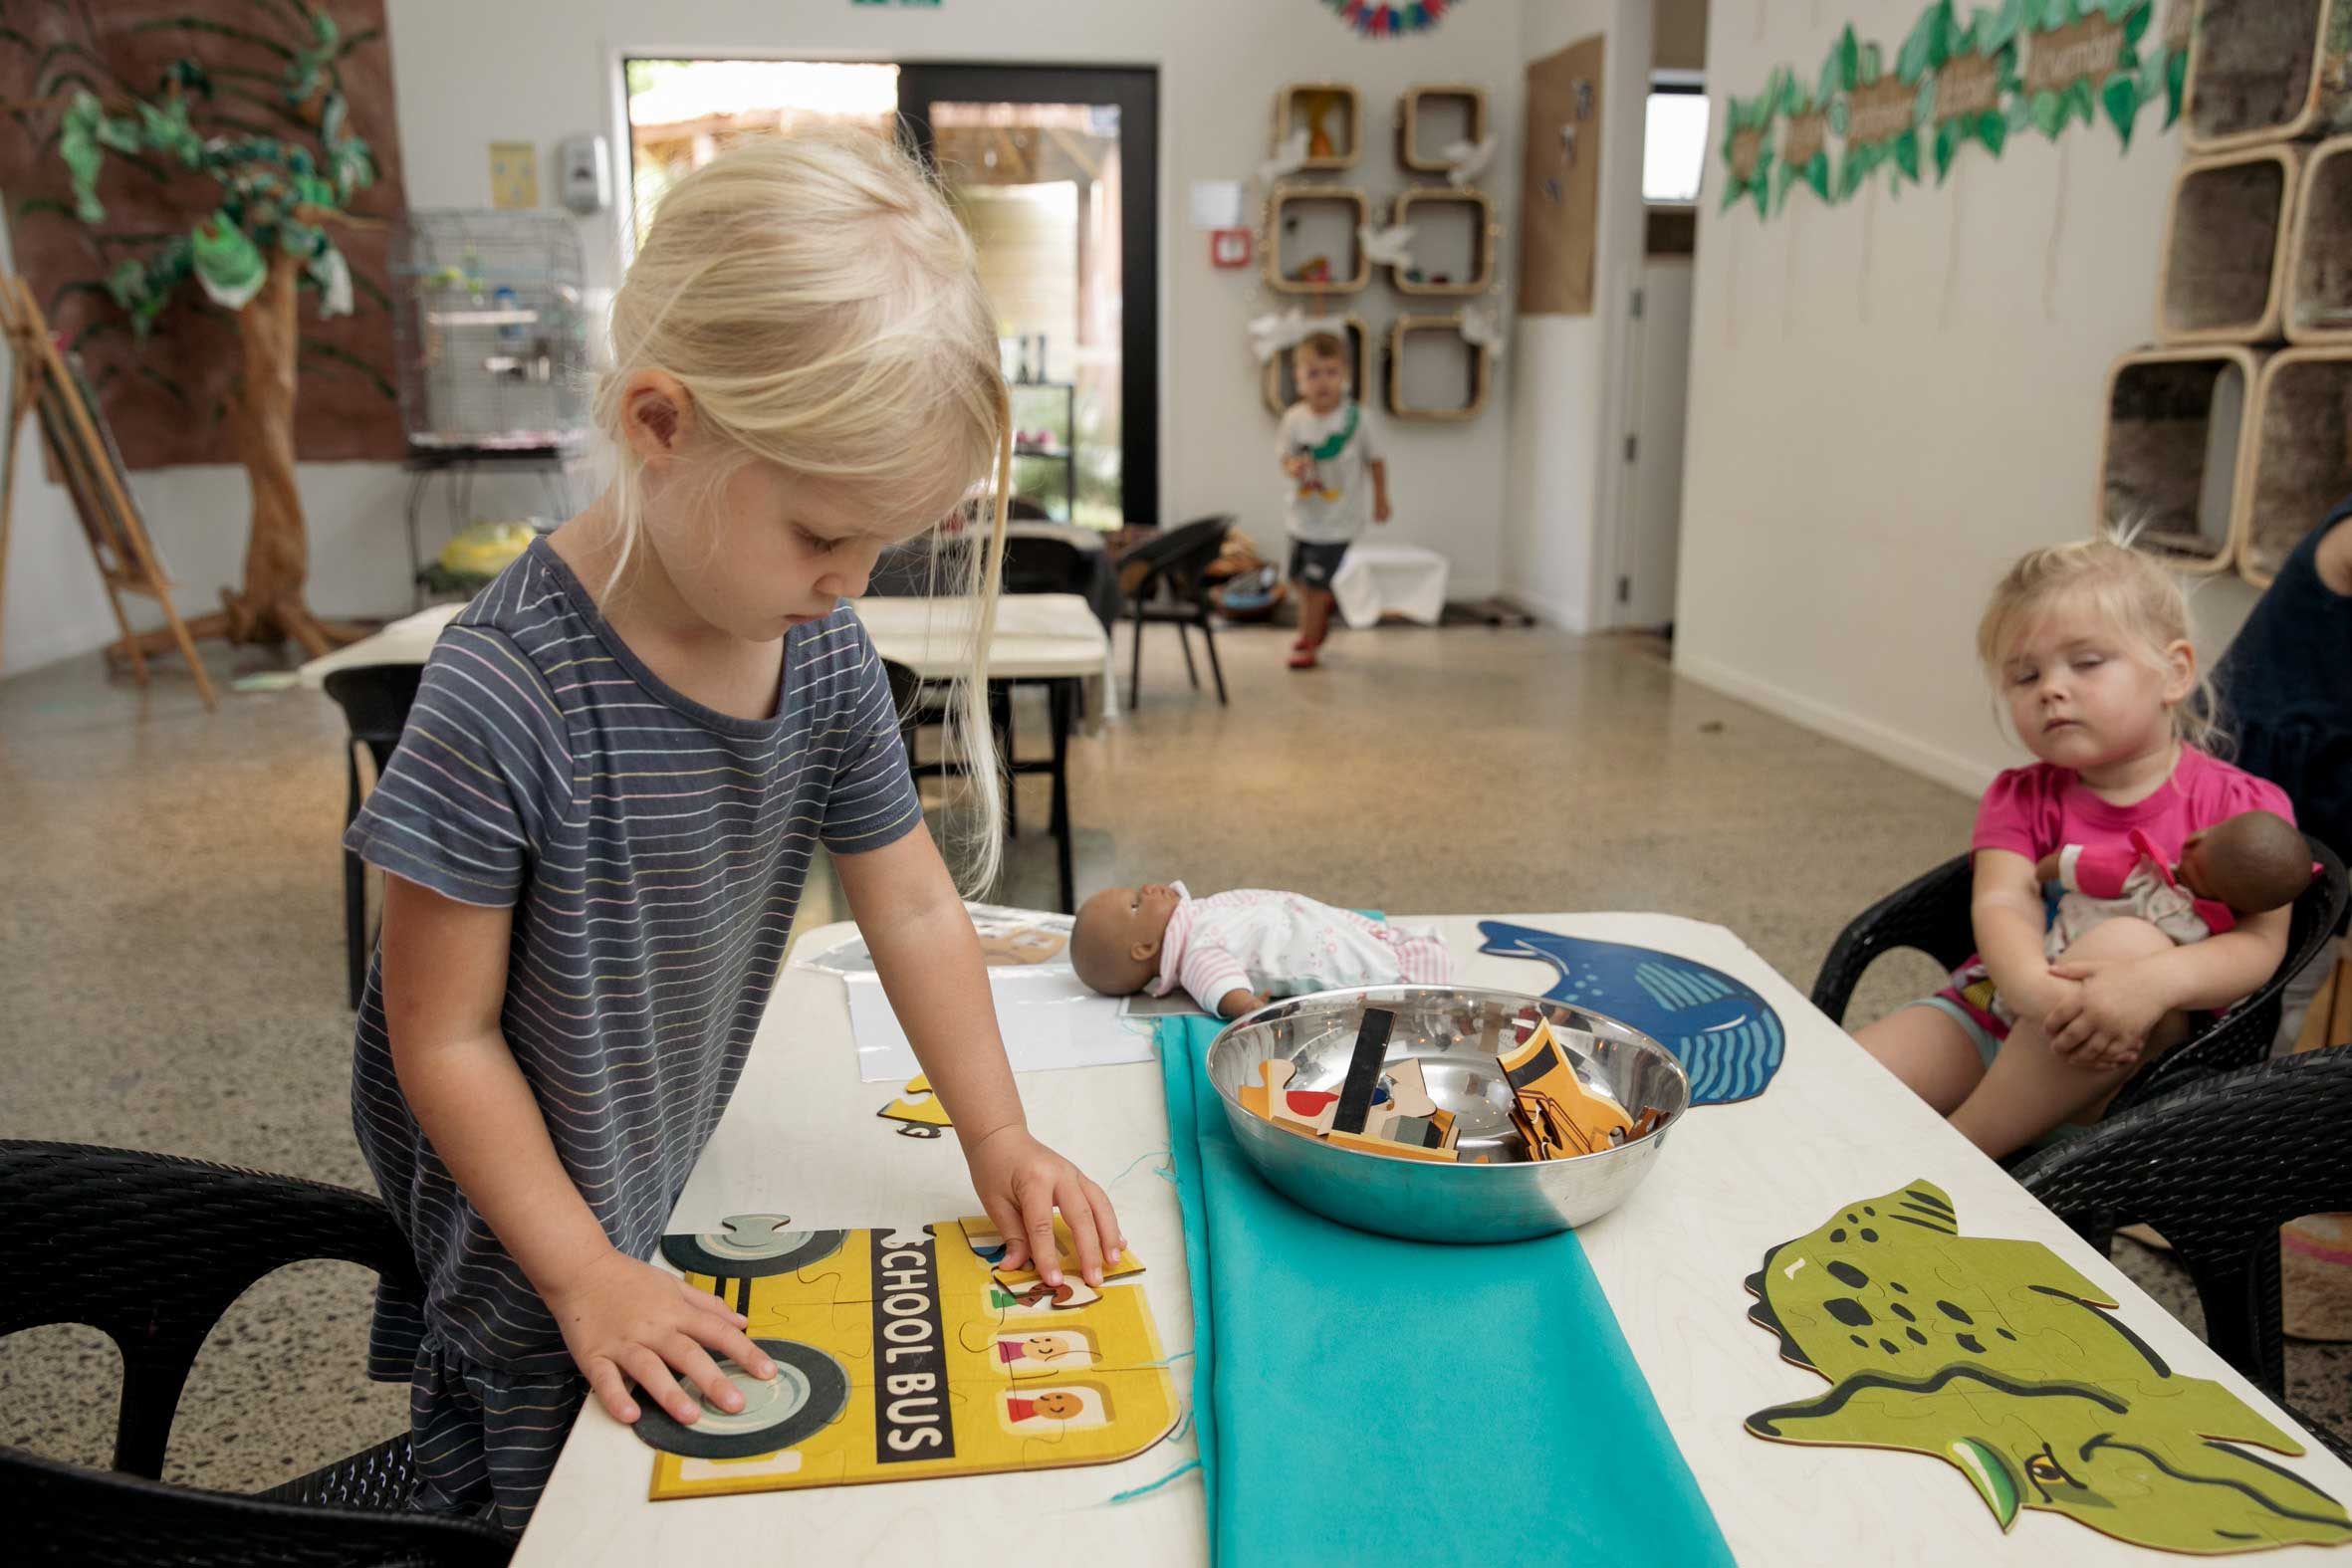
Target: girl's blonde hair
[
  {"x": 2129, "y": 592},
  {"x": 819, "y": 303}
]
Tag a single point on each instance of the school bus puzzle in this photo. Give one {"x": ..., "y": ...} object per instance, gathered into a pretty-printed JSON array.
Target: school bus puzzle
[{"x": 901, "y": 1355}]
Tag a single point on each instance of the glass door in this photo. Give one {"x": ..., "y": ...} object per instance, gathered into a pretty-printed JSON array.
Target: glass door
[{"x": 1053, "y": 171}]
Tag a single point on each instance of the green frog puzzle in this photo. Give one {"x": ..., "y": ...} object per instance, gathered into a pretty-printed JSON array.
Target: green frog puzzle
[{"x": 1999, "y": 1358}]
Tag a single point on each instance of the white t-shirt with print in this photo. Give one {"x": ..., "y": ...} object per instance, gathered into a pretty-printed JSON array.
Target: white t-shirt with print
[{"x": 1333, "y": 503}]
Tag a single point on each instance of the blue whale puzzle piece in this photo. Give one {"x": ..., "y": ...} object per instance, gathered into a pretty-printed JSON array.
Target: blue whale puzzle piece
[{"x": 1727, "y": 1038}]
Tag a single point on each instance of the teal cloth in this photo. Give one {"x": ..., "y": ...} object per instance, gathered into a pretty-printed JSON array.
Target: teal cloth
[{"x": 1365, "y": 1400}]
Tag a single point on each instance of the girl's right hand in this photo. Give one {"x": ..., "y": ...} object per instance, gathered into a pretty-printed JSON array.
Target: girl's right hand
[{"x": 622, "y": 1318}]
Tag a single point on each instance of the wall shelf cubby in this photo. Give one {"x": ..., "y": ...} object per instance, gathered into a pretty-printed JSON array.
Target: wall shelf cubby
[
  {"x": 1427, "y": 357},
  {"x": 2178, "y": 442},
  {"x": 2223, "y": 275},
  {"x": 2301, "y": 456},
  {"x": 2319, "y": 259},
  {"x": 1455, "y": 239},
  {"x": 2261, "y": 71},
  {"x": 1310, "y": 223},
  {"x": 1282, "y": 391},
  {"x": 1429, "y": 118},
  {"x": 1332, "y": 118}
]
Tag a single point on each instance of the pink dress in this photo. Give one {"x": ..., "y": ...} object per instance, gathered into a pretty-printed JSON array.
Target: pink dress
[{"x": 2037, "y": 810}]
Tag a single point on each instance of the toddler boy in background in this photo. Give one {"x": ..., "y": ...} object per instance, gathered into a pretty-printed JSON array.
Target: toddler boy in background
[
  {"x": 1328, "y": 452},
  {"x": 1240, "y": 950}
]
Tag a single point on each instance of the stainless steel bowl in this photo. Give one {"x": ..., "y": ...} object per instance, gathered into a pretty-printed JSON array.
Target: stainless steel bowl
[{"x": 1455, "y": 1033}]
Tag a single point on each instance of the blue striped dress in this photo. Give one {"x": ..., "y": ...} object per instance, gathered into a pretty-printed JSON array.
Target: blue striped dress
[{"x": 652, "y": 851}]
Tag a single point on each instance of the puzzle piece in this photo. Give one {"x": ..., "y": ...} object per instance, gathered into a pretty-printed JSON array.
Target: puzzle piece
[
  {"x": 1390, "y": 1145},
  {"x": 921, "y": 1117},
  {"x": 1556, "y": 1114},
  {"x": 2001, "y": 1360},
  {"x": 750, "y": 1246},
  {"x": 1116, "y": 1268},
  {"x": 1274, "y": 1076}
]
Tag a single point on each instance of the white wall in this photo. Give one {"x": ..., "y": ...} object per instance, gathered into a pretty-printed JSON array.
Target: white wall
[
  {"x": 466, "y": 73},
  {"x": 1565, "y": 372},
  {"x": 1887, "y": 408}
]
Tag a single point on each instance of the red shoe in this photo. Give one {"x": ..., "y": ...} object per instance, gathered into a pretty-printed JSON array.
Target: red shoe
[{"x": 1301, "y": 657}]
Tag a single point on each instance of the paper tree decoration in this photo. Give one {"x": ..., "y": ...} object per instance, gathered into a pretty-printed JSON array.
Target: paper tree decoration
[{"x": 283, "y": 190}]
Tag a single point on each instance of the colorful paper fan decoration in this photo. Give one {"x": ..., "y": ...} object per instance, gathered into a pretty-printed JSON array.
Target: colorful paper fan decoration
[{"x": 1379, "y": 19}]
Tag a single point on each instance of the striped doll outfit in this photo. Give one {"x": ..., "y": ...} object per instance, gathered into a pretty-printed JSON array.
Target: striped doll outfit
[{"x": 652, "y": 850}]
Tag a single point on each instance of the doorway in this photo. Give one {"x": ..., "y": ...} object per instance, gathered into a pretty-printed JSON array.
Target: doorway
[{"x": 1055, "y": 173}]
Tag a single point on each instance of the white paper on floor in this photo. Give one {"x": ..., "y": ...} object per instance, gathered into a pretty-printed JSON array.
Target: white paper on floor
[{"x": 1047, "y": 1016}]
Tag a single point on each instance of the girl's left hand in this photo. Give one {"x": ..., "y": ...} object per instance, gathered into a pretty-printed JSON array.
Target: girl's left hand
[
  {"x": 2107, "y": 1022},
  {"x": 1021, "y": 1183}
]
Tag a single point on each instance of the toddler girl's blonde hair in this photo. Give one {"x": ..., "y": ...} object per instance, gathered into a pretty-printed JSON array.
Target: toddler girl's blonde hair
[
  {"x": 2130, "y": 592},
  {"x": 819, "y": 302}
]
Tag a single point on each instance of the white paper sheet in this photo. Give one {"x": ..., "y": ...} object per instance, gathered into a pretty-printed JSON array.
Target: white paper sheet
[{"x": 1049, "y": 1020}]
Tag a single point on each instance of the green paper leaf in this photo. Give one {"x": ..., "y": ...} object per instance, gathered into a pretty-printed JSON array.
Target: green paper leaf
[
  {"x": 1849, "y": 56},
  {"x": 1947, "y": 143},
  {"x": 2047, "y": 112},
  {"x": 2135, "y": 24},
  {"x": 1992, "y": 129},
  {"x": 1869, "y": 68},
  {"x": 1907, "y": 153},
  {"x": 2176, "y": 77},
  {"x": 228, "y": 263},
  {"x": 1817, "y": 174},
  {"x": 1928, "y": 47},
  {"x": 79, "y": 146},
  {"x": 2121, "y": 99},
  {"x": 2082, "y": 103}
]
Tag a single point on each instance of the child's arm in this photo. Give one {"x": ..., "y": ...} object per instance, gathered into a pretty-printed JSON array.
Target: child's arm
[
  {"x": 2118, "y": 1003},
  {"x": 1379, "y": 472},
  {"x": 2006, "y": 911},
  {"x": 444, "y": 983},
  {"x": 929, "y": 962}
]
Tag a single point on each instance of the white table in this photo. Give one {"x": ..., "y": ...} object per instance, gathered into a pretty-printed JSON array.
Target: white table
[
  {"x": 1377, "y": 580},
  {"x": 802, "y": 1139},
  {"x": 1047, "y": 639}
]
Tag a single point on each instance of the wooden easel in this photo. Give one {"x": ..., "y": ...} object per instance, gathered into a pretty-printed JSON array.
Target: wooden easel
[{"x": 44, "y": 382}]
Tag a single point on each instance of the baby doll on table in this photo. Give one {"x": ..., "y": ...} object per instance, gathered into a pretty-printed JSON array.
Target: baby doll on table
[
  {"x": 2241, "y": 866},
  {"x": 1234, "y": 952}
]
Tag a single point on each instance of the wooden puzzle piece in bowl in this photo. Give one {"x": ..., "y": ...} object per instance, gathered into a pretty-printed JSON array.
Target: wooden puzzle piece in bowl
[
  {"x": 1996, "y": 1357},
  {"x": 1557, "y": 1114},
  {"x": 929, "y": 1348}
]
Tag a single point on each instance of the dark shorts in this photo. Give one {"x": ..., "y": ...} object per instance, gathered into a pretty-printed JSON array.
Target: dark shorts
[{"x": 1312, "y": 564}]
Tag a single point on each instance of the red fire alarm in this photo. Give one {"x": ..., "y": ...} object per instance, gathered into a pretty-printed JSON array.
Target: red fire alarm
[{"x": 1229, "y": 246}]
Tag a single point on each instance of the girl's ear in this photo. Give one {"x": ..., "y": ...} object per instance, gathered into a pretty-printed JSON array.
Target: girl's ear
[
  {"x": 2179, "y": 671},
  {"x": 658, "y": 416}
]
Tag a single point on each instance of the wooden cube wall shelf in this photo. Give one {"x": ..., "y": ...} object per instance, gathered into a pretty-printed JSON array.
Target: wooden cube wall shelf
[
  {"x": 1477, "y": 363},
  {"x": 2178, "y": 443},
  {"x": 2223, "y": 278},
  {"x": 2261, "y": 71},
  {"x": 1282, "y": 391},
  {"x": 2319, "y": 264},
  {"x": 1341, "y": 120},
  {"x": 1427, "y": 118},
  {"x": 1429, "y": 208},
  {"x": 2301, "y": 456},
  {"x": 1289, "y": 200}
]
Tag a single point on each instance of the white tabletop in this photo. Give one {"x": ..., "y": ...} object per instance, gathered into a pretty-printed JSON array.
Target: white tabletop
[
  {"x": 1038, "y": 636},
  {"x": 802, "y": 1139}
]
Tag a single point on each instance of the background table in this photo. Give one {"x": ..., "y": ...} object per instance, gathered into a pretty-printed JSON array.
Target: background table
[
  {"x": 1045, "y": 639},
  {"x": 802, "y": 1139}
]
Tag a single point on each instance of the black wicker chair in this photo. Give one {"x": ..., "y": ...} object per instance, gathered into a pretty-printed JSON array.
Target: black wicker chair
[
  {"x": 65, "y": 1213},
  {"x": 2217, "y": 1168},
  {"x": 1177, "y": 561},
  {"x": 1931, "y": 916},
  {"x": 375, "y": 699}
]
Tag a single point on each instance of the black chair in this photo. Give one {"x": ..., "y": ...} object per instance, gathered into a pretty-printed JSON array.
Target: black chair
[
  {"x": 2217, "y": 1168},
  {"x": 1178, "y": 561},
  {"x": 1038, "y": 565},
  {"x": 151, "y": 1249},
  {"x": 1931, "y": 915},
  {"x": 922, "y": 705},
  {"x": 375, "y": 699}
]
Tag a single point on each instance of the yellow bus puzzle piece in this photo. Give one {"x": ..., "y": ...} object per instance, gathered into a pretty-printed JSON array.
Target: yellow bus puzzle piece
[{"x": 932, "y": 1368}]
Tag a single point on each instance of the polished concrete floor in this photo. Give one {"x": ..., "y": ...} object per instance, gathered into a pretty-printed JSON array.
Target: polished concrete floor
[{"x": 171, "y": 948}]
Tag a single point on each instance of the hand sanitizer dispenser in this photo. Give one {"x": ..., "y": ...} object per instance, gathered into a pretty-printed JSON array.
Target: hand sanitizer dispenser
[{"x": 583, "y": 173}]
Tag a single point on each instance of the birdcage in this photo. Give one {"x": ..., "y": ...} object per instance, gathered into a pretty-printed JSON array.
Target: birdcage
[{"x": 492, "y": 329}]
